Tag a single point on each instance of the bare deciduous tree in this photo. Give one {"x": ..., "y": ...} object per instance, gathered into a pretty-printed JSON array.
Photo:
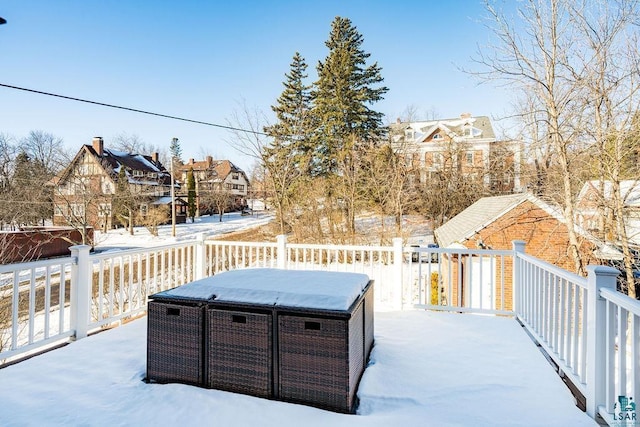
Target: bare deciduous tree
[
  {"x": 532, "y": 54},
  {"x": 606, "y": 66}
]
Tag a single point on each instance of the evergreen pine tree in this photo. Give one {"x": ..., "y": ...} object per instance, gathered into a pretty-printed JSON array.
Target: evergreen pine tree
[
  {"x": 342, "y": 95},
  {"x": 191, "y": 194},
  {"x": 24, "y": 189},
  {"x": 175, "y": 150},
  {"x": 346, "y": 125},
  {"x": 291, "y": 132},
  {"x": 287, "y": 156}
]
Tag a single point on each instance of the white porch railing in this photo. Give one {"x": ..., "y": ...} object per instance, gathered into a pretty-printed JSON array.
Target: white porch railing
[{"x": 590, "y": 331}]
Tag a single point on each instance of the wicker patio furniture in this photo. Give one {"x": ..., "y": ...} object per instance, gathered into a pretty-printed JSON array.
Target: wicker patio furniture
[{"x": 296, "y": 336}]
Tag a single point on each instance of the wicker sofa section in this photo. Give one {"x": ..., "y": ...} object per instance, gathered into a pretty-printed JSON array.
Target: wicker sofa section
[
  {"x": 175, "y": 350},
  {"x": 240, "y": 351},
  {"x": 320, "y": 359}
]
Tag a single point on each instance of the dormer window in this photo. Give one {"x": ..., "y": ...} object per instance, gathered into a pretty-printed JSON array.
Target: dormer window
[
  {"x": 138, "y": 173},
  {"x": 408, "y": 134}
]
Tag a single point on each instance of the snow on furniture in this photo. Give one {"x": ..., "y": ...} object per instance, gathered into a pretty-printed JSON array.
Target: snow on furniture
[{"x": 298, "y": 336}]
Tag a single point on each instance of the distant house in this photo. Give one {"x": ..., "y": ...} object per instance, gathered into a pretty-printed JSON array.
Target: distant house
[
  {"x": 467, "y": 143},
  {"x": 84, "y": 192},
  {"x": 215, "y": 176},
  {"x": 593, "y": 209},
  {"x": 495, "y": 222}
]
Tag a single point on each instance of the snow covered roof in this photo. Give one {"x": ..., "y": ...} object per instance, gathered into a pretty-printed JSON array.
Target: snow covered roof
[
  {"x": 476, "y": 217},
  {"x": 216, "y": 168},
  {"x": 480, "y": 126},
  {"x": 489, "y": 209},
  {"x": 629, "y": 190}
]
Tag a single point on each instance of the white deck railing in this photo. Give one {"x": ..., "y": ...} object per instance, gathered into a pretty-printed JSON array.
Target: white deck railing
[{"x": 591, "y": 332}]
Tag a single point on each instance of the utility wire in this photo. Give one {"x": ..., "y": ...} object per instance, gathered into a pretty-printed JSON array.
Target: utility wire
[{"x": 135, "y": 110}]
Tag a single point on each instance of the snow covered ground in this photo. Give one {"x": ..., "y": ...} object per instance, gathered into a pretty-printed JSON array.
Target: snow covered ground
[
  {"x": 426, "y": 369},
  {"x": 208, "y": 225}
]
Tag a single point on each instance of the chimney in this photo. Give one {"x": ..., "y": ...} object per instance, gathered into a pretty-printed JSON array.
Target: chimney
[
  {"x": 209, "y": 161},
  {"x": 465, "y": 115},
  {"x": 154, "y": 157},
  {"x": 191, "y": 161},
  {"x": 98, "y": 145},
  {"x": 398, "y": 121}
]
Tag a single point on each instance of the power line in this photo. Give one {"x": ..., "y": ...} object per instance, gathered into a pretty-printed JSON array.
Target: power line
[{"x": 135, "y": 110}]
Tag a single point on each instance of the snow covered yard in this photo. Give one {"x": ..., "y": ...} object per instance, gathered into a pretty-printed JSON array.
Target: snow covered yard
[{"x": 426, "y": 369}]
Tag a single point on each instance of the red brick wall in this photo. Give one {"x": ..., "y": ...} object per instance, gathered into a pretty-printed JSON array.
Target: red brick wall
[{"x": 546, "y": 238}]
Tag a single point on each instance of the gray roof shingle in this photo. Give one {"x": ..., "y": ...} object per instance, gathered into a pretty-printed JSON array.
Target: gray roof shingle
[{"x": 476, "y": 217}]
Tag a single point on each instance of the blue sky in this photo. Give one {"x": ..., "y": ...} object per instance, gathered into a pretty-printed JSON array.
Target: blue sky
[{"x": 202, "y": 59}]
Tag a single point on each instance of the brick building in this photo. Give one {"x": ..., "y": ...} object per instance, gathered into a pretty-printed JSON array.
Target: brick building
[
  {"x": 84, "y": 192},
  {"x": 495, "y": 222},
  {"x": 466, "y": 143},
  {"x": 213, "y": 176},
  {"x": 594, "y": 210}
]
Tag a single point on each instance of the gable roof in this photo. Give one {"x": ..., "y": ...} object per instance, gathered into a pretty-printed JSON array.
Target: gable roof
[
  {"x": 112, "y": 160},
  {"x": 481, "y": 126},
  {"x": 629, "y": 190},
  {"x": 476, "y": 217},
  {"x": 489, "y": 209},
  {"x": 219, "y": 169},
  {"x": 425, "y": 133}
]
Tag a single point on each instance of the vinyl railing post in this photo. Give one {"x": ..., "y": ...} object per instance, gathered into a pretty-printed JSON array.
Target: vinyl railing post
[
  {"x": 200, "y": 267},
  {"x": 282, "y": 251},
  {"x": 517, "y": 290},
  {"x": 599, "y": 277},
  {"x": 80, "y": 290},
  {"x": 397, "y": 291}
]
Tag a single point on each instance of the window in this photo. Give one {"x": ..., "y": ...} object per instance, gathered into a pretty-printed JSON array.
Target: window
[
  {"x": 235, "y": 176},
  {"x": 83, "y": 169},
  {"x": 77, "y": 210},
  {"x": 60, "y": 210},
  {"x": 107, "y": 186},
  {"x": 104, "y": 210},
  {"x": 408, "y": 134},
  {"x": 469, "y": 158},
  {"x": 152, "y": 175},
  {"x": 138, "y": 173},
  {"x": 437, "y": 136},
  {"x": 144, "y": 208},
  {"x": 437, "y": 159}
]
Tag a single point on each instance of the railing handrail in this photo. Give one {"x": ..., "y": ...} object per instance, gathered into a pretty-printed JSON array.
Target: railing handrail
[
  {"x": 466, "y": 251},
  {"x": 564, "y": 274},
  {"x": 539, "y": 291},
  {"x": 10, "y": 268},
  {"x": 339, "y": 247},
  {"x": 621, "y": 300},
  {"x": 214, "y": 242},
  {"x": 134, "y": 251}
]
